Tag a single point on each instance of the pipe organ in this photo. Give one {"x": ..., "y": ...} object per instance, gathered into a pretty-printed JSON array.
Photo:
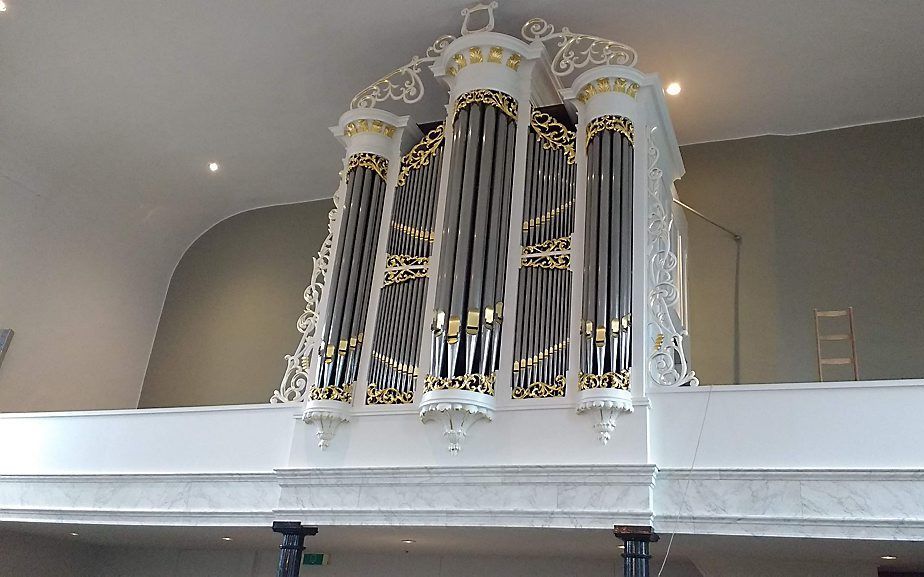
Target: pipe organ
[{"x": 523, "y": 250}]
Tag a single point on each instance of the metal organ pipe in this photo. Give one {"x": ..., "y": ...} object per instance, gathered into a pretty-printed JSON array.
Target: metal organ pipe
[
  {"x": 607, "y": 311},
  {"x": 351, "y": 281},
  {"x": 541, "y": 343},
  {"x": 469, "y": 302},
  {"x": 394, "y": 363}
]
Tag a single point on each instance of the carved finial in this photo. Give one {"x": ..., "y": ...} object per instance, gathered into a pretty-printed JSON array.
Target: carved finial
[{"x": 467, "y": 12}]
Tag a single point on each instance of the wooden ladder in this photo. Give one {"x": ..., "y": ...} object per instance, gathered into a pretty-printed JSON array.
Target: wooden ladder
[{"x": 848, "y": 336}]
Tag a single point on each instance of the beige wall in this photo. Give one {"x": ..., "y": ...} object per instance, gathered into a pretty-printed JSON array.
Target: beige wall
[
  {"x": 229, "y": 317},
  {"x": 829, "y": 220}
]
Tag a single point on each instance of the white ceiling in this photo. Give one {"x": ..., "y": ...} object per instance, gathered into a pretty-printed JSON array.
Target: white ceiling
[{"x": 123, "y": 104}]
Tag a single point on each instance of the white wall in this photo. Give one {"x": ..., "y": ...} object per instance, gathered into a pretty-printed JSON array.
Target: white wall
[
  {"x": 854, "y": 425},
  {"x": 247, "y": 438},
  {"x": 82, "y": 290}
]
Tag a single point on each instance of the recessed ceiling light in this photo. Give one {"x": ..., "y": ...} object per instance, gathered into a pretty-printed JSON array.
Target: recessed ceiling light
[
  {"x": 889, "y": 557},
  {"x": 74, "y": 534},
  {"x": 227, "y": 539},
  {"x": 622, "y": 546},
  {"x": 213, "y": 166},
  {"x": 408, "y": 541},
  {"x": 2, "y": 6},
  {"x": 673, "y": 88}
]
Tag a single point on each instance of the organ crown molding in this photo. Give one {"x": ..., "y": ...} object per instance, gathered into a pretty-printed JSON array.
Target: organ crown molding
[{"x": 374, "y": 131}]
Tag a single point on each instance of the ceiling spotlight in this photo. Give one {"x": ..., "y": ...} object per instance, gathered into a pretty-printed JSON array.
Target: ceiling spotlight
[
  {"x": 889, "y": 557},
  {"x": 227, "y": 539},
  {"x": 213, "y": 166},
  {"x": 74, "y": 534},
  {"x": 2, "y": 6},
  {"x": 408, "y": 541},
  {"x": 673, "y": 88},
  {"x": 622, "y": 546}
]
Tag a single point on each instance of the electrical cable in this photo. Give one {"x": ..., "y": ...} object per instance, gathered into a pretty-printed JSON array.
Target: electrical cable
[{"x": 683, "y": 499}]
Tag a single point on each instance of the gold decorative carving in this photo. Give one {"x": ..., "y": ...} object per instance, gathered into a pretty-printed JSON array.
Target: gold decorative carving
[
  {"x": 403, "y": 267},
  {"x": 419, "y": 155},
  {"x": 344, "y": 395},
  {"x": 611, "y": 380},
  {"x": 474, "y": 382},
  {"x": 388, "y": 396},
  {"x": 370, "y": 161},
  {"x": 659, "y": 341},
  {"x": 503, "y": 102},
  {"x": 561, "y": 244},
  {"x": 549, "y": 261},
  {"x": 618, "y": 85},
  {"x": 406, "y": 260},
  {"x": 460, "y": 61},
  {"x": 539, "y": 390},
  {"x": 552, "y": 254},
  {"x": 363, "y": 125},
  {"x": 476, "y": 56},
  {"x": 553, "y": 134},
  {"x": 611, "y": 122}
]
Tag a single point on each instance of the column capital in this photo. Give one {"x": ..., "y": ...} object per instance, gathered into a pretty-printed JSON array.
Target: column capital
[
  {"x": 293, "y": 528},
  {"x": 636, "y": 533}
]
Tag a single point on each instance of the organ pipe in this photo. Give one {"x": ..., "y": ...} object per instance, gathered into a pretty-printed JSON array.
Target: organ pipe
[
  {"x": 394, "y": 364},
  {"x": 543, "y": 306},
  {"x": 469, "y": 305},
  {"x": 352, "y": 277},
  {"x": 607, "y": 301}
]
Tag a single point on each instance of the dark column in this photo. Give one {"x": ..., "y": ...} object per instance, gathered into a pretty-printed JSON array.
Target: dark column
[
  {"x": 636, "y": 554},
  {"x": 293, "y": 543}
]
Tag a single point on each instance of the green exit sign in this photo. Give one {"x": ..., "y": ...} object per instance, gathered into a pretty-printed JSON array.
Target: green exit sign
[{"x": 315, "y": 559}]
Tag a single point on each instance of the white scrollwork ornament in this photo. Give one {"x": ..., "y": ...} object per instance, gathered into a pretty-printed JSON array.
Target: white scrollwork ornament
[
  {"x": 402, "y": 84},
  {"x": 576, "y": 51},
  {"x": 667, "y": 363},
  {"x": 467, "y": 12},
  {"x": 294, "y": 384}
]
